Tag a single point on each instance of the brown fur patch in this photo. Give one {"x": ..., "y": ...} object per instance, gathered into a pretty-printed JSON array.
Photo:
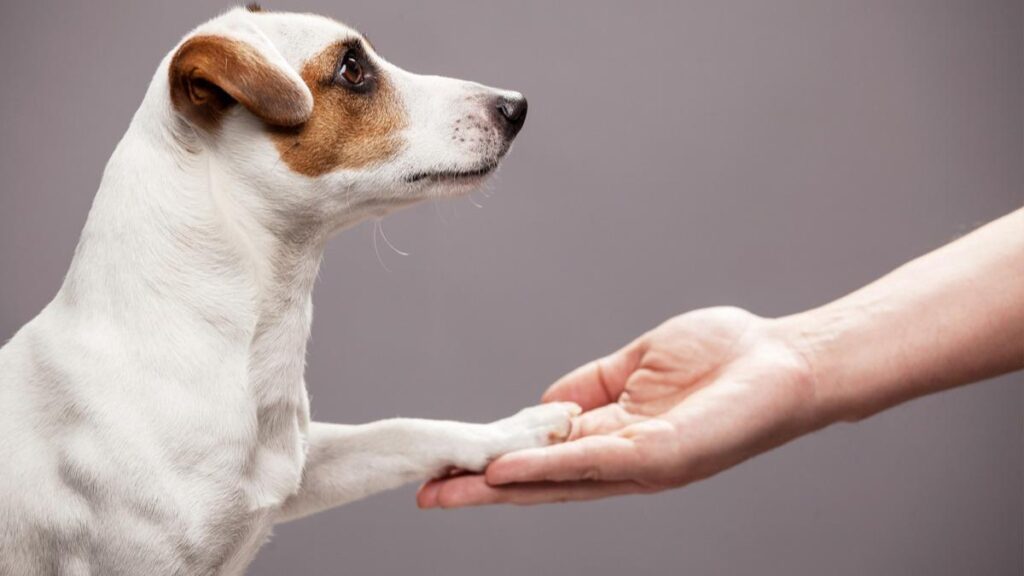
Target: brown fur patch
[
  {"x": 209, "y": 74},
  {"x": 348, "y": 129}
]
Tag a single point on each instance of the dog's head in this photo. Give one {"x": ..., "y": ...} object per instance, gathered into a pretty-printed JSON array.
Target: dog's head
[{"x": 304, "y": 110}]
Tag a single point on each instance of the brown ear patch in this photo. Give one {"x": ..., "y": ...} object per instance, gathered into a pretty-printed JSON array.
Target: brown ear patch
[
  {"x": 347, "y": 129},
  {"x": 209, "y": 74}
]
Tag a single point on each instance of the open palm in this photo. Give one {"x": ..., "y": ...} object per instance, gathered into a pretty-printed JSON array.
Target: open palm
[{"x": 696, "y": 395}]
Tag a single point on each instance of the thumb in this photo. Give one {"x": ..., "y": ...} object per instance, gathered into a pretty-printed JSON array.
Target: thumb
[{"x": 605, "y": 419}]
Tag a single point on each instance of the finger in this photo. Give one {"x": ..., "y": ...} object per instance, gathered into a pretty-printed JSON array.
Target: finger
[
  {"x": 603, "y": 420},
  {"x": 606, "y": 458},
  {"x": 598, "y": 382},
  {"x": 474, "y": 491},
  {"x": 426, "y": 496}
]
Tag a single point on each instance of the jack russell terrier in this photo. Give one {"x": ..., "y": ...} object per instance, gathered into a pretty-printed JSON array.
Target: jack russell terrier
[{"x": 153, "y": 417}]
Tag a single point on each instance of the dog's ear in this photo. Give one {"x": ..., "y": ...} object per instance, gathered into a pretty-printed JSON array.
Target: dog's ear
[{"x": 211, "y": 73}]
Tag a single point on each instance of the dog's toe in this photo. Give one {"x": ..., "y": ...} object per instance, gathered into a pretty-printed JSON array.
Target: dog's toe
[{"x": 542, "y": 425}]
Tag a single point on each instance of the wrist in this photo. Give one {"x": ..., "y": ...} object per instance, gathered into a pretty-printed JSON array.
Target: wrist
[{"x": 839, "y": 351}]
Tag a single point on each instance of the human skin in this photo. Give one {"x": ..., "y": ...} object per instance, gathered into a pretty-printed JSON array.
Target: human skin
[{"x": 711, "y": 388}]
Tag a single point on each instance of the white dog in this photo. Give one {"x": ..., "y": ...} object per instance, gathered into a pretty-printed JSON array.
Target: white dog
[{"x": 154, "y": 418}]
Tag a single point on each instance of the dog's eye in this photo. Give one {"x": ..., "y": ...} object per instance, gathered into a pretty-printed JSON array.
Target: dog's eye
[{"x": 351, "y": 70}]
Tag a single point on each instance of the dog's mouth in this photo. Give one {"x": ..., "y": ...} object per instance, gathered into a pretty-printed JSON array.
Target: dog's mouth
[{"x": 451, "y": 175}]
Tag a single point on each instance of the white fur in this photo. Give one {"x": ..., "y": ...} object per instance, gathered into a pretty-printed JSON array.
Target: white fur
[{"x": 154, "y": 415}]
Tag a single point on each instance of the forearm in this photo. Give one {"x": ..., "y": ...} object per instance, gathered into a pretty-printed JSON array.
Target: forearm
[{"x": 951, "y": 317}]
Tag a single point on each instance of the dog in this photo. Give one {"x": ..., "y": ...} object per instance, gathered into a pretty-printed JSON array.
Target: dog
[{"x": 155, "y": 418}]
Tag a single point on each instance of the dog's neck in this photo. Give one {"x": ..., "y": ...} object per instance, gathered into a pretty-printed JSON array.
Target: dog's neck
[{"x": 167, "y": 259}]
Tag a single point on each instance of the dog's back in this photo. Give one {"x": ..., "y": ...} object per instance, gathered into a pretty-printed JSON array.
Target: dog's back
[
  {"x": 92, "y": 483},
  {"x": 30, "y": 525}
]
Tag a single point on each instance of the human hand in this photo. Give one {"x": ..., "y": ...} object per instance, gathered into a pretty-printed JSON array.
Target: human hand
[{"x": 697, "y": 395}]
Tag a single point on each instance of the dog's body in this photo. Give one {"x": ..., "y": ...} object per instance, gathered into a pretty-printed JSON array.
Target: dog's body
[{"x": 154, "y": 416}]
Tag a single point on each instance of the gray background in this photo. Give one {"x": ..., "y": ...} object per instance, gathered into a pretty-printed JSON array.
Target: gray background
[{"x": 771, "y": 155}]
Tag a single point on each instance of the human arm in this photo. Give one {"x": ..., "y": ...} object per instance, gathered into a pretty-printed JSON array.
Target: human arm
[{"x": 712, "y": 388}]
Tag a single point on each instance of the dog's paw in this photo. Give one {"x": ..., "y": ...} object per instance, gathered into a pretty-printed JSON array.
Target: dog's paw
[
  {"x": 538, "y": 426},
  {"x": 532, "y": 427}
]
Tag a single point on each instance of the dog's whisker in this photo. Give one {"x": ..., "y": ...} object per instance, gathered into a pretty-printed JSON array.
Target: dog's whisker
[
  {"x": 376, "y": 250},
  {"x": 474, "y": 202},
  {"x": 440, "y": 216},
  {"x": 380, "y": 226}
]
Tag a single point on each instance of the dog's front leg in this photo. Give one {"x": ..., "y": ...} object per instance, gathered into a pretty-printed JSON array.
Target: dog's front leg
[{"x": 346, "y": 463}]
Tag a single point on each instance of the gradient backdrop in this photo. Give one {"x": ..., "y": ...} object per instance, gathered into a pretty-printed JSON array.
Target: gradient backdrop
[{"x": 772, "y": 155}]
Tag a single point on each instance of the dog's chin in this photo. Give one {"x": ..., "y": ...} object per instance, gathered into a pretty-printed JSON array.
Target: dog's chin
[{"x": 451, "y": 181}]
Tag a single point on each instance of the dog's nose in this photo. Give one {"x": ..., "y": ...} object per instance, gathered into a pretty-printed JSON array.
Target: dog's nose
[{"x": 512, "y": 113}]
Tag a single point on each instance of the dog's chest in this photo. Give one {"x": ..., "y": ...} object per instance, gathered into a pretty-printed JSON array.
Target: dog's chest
[
  {"x": 277, "y": 457},
  {"x": 276, "y": 367}
]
